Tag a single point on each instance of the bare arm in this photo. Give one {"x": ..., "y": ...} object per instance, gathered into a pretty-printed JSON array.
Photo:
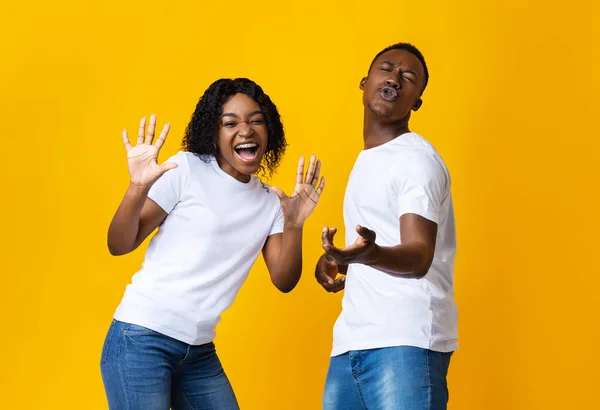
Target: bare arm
[
  {"x": 136, "y": 218},
  {"x": 411, "y": 259},
  {"x": 137, "y": 215},
  {"x": 283, "y": 252},
  {"x": 283, "y": 255}
]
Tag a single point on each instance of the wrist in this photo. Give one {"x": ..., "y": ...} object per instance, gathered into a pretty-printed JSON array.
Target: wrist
[
  {"x": 138, "y": 189},
  {"x": 372, "y": 255},
  {"x": 292, "y": 227}
]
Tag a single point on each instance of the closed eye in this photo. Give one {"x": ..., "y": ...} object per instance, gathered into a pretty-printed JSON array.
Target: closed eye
[{"x": 229, "y": 124}]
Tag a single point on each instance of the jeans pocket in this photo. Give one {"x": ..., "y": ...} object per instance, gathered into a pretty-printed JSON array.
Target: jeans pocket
[
  {"x": 107, "y": 343},
  {"x": 137, "y": 330}
]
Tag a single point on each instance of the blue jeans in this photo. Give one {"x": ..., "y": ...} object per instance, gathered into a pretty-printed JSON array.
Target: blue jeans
[
  {"x": 146, "y": 370},
  {"x": 398, "y": 378}
]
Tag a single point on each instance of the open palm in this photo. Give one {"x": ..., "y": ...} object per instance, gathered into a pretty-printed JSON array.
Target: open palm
[
  {"x": 297, "y": 207},
  {"x": 142, "y": 159}
]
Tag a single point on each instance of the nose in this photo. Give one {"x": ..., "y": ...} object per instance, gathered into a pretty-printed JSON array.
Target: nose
[
  {"x": 390, "y": 82},
  {"x": 245, "y": 130}
]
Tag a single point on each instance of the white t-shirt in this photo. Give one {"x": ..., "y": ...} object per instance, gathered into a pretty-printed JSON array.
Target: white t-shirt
[
  {"x": 405, "y": 175},
  {"x": 202, "y": 253}
]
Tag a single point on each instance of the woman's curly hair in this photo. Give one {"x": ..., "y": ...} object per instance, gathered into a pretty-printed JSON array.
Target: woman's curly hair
[{"x": 202, "y": 133}]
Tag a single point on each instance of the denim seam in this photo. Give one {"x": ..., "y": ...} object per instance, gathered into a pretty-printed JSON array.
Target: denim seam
[
  {"x": 356, "y": 381},
  {"x": 429, "y": 387},
  {"x": 187, "y": 353},
  {"x": 108, "y": 342},
  {"x": 186, "y": 400},
  {"x": 121, "y": 370}
]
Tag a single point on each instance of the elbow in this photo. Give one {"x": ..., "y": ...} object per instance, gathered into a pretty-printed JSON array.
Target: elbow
[
  {"x": 116, "y": 250},
  {"x": 423, "y": 269},
  {"x": 285, "y": 287}
]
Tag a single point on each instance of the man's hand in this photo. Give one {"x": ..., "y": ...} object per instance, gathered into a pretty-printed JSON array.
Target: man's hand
[
  {"x": 326, "y": 271},
  {"x": 363, "y": 250}
]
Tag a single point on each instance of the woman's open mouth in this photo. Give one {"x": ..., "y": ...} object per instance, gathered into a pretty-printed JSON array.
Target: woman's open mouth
[{"x": 247, "y": 151}]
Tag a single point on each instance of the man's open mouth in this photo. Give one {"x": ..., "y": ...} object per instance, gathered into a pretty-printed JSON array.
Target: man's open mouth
[{"x": 389, "y": 94}]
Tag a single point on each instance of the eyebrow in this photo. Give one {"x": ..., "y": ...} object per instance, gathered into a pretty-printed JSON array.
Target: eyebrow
[
  {"x": 404, "y": 71},
  {"x": 230, "y": 114}
]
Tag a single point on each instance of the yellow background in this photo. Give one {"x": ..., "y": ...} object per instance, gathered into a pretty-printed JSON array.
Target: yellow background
[{"x": 512, "y": 106}]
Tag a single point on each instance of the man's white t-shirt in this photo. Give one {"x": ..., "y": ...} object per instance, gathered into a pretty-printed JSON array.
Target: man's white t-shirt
[
  {"x": 202, "y": 253},
  {"x": 405, "y": 175}
]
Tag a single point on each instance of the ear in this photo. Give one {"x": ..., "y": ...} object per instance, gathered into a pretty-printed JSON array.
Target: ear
[
  {"x": 362, "y": 83},
  {"x": 417, "y": 104}
]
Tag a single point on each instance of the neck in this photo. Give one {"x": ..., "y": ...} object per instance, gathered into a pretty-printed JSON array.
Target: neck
[
  {"x": 227, "y": 168},
  {"x": 377, "y": 132}
]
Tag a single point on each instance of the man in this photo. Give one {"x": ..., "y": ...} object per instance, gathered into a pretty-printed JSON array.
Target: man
[{"x": 398, "y": 327}]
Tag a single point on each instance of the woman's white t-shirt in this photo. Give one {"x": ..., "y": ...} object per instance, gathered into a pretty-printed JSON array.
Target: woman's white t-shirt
[{"x": 202, "y": 253}]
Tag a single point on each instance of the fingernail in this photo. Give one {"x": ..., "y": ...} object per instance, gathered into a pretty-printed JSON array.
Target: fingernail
[
  {"x": 325, "y": 229},
  {"x": 343, "y": 279}
]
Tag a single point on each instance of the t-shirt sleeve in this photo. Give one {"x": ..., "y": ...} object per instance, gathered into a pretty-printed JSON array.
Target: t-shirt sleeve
[
  {"x": 167, "y": 190},
  {"x": 277, "y": 226},
  {"x": 421, "y": 185}
]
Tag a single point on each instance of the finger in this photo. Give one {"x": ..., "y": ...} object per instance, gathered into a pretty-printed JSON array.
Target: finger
[
  {"x": 300, "y": 172},
  {"x": 310, "y": 172},
  {"x": 163, "y": 136},
  {"x": 315, "y": 177},
  {"x": 329, "y": 247},
  {"x": 141, "y": 131},
  {"x": 327, "y": 241},
  {"x": 126, "y": 140},
  {"x": 366, "y": 233},
  {"x": 278, "y": 192},
  {"x": 331, "y": 233},
  {"x": 151, "y": 126},
  {"x": 336, "y": 286},
  {"x": 321, "y": 186},
  {"x": 167, "y": 166},
  {"x": 330, "y": 263},
  {"x": 323, "y": 278},
  {"x": 343, "y": 256}
]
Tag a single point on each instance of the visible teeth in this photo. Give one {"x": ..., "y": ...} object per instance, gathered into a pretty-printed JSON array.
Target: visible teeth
[{"x": 248, "y": 145}]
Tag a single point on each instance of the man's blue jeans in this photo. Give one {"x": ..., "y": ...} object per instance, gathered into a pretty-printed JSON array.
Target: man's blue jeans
[{"x": 398, "y": 378}]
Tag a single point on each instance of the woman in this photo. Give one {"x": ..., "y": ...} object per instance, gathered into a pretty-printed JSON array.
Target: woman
[{"x": 214, "y": 217}]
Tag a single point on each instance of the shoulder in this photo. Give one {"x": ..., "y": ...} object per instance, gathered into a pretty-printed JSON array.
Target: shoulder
[
  {"x": 266, "y": 195},
  {"x": 192, "y": 159},
  {"x": 181, "y": 159},
  {"x": 419, "y": 160},
  {"x": 265, "y": 189},
  {"x": 196, "y": 165}
]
